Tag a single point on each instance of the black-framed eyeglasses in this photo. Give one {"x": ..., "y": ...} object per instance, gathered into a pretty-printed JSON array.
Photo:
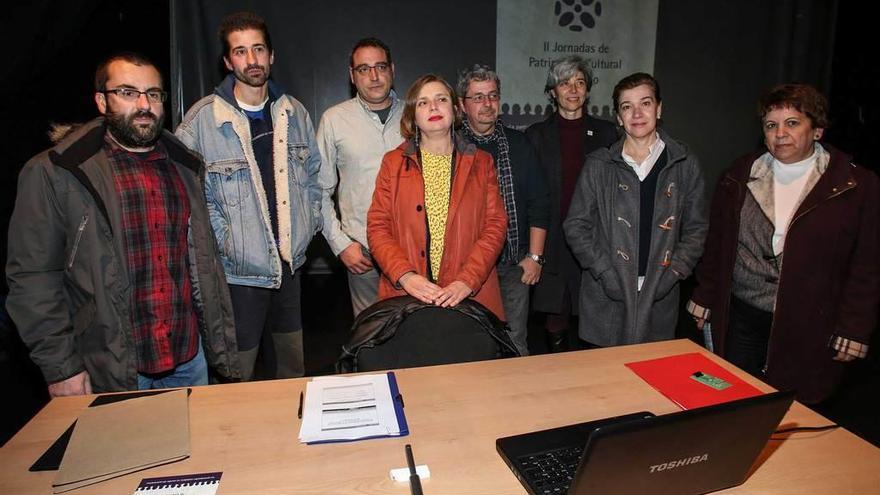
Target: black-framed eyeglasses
[
  {"x": 480, "y": 97},
  {"x": 364, "y": 69},
  {"x": 131, "y": 94}
]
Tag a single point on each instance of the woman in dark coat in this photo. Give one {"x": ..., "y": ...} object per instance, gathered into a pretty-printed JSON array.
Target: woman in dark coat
[
  {"x": 790, "y": 279},
  {"x": 562, "y": 142}
]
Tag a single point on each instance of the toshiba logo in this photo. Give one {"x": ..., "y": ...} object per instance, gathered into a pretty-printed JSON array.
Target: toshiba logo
[{"x": 679, "y": 463}]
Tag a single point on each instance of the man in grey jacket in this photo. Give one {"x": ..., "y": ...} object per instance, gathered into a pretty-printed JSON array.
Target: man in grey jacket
[
  {"x": 262, "y": 164},
  {"x": 113, "y": 273}
]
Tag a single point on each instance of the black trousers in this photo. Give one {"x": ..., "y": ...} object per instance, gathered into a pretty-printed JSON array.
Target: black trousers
[
  {"x": 748, "y": 334},
  {"x": 269, "y": 321}
]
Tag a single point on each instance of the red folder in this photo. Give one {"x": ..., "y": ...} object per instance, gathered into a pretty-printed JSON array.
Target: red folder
[{"x": 671, "y": 376}]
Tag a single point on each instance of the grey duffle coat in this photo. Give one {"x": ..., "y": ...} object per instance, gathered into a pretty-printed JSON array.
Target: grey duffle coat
[{"x": 602, "y": 229}]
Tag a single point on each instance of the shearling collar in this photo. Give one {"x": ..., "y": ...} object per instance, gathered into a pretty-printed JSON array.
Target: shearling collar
[
  {"x": 760, "y": 181},
  {"x": 86, "y": 140}
]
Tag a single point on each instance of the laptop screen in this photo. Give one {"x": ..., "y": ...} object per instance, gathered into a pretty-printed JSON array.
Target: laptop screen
[{"x": 688, "y": 452}]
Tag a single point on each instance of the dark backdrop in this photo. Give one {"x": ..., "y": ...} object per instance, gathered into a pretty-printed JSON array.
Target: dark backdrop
[
  {"x": 714, "y": 58},
  {"x": 312, "y": 40}
]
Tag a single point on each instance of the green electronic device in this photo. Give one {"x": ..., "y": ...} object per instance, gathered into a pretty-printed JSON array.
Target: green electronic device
[{"x": 709, "y": 380}]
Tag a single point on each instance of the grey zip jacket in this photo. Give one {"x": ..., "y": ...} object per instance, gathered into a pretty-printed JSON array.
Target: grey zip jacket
[{"x": 69, "y": 289}]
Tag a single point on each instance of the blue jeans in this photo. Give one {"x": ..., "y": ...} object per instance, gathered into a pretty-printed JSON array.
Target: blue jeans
[{"x": 189, "y": 374}]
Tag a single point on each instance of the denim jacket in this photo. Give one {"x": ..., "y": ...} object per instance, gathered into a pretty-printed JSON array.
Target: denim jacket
[{"x": 220, "y": 133}]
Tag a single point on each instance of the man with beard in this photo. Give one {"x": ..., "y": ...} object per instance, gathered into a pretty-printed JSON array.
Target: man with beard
[
  {"x": 263, "y": 196},
  {"x": 523, "y": 187},
  {"x": 114, "y": 277},
  {"x": 353, "y": 137}
]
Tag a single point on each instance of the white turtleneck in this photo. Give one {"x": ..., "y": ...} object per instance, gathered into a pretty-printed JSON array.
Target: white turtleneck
[{"x": 788, "y": 186}]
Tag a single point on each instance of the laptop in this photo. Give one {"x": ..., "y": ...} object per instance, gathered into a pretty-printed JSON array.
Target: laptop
[{"x": 689, "y": 452}]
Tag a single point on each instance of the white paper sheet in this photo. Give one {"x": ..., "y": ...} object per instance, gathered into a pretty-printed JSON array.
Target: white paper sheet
[{"x": 348, "y": 408}]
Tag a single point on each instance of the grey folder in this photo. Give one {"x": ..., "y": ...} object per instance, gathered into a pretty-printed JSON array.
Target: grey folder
[{"x": 124, "y": 437}]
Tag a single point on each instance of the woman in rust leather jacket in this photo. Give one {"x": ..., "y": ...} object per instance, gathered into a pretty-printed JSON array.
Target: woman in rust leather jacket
[{"x": 437, "y": 223}]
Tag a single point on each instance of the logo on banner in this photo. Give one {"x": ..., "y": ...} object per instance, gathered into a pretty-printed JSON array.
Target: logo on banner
[
  {"x": 575, "y": 15},
  {"x": 613, "y": 38}
]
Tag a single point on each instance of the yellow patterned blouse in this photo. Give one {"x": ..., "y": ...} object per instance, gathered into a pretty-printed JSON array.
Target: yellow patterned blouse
[{"x": 437, "y": 173}]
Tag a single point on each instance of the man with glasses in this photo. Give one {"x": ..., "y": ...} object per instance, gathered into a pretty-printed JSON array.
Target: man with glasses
[
  {"x": 523, "y": 187},
  {"x": 114, "y": 279},
  {"x": 262, "y": 190},
  {"x": 353, "y": 137}
]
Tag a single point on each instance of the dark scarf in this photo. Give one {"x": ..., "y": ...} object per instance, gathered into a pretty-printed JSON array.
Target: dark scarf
[{"x": 505, "y": 181}]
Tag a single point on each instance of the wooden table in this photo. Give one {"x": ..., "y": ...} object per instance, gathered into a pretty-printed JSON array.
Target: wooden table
[{"x": 455, "y": 413}]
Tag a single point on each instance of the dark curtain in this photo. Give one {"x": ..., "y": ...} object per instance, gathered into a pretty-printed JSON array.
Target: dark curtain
[
  {"x": 855, "y": 112},
  {"x": 40, "y": 32},
  {"x": 312, "y": 40},
  {"x": 714, "y": 58}
]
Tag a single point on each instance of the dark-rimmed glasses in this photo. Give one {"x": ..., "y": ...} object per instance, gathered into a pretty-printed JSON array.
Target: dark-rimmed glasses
[
  {"x": 364, "y": 69},
  {"x": 480, "y": 97},
  {"x": 131, "y": 94}
]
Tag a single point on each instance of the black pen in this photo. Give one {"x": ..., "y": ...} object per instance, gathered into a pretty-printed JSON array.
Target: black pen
[
  {"x": 415, "y": 483},
  {"x": 299, "y": 412}
]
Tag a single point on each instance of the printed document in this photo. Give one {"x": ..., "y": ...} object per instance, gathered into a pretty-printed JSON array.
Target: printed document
[{"x": 339, "y": 408}]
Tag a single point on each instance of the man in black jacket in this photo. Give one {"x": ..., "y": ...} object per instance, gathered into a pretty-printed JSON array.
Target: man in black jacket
[{"x": 523, "y": 188}]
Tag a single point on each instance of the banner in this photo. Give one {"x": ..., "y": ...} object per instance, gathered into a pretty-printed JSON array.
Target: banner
[{"x": 616, "y": 37}]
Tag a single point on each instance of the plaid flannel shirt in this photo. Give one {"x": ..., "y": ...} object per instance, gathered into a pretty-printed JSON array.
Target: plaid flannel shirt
[{"x": 155, "y": 218}]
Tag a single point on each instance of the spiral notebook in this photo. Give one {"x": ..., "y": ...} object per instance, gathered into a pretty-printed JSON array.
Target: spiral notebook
[{"x": 187, "y": 484}]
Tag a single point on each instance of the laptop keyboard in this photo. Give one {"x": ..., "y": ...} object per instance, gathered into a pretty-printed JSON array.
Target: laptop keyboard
[{"x": 551, "y": 472}]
